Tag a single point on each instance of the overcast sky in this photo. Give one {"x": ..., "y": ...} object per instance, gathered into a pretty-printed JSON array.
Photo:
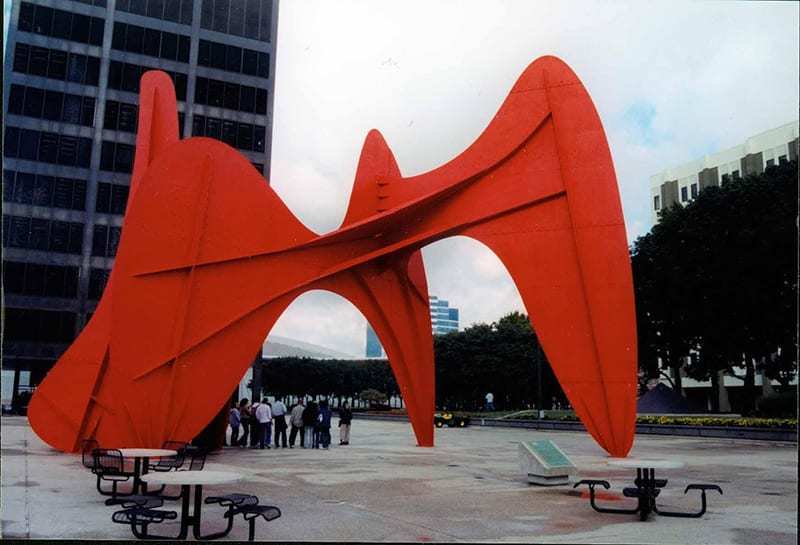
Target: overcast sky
[{"x": 671, "y": 81}]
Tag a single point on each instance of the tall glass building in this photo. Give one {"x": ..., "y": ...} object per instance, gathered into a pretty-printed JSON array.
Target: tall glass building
[
  {"x": 70, "y": 98},
  {"x": 444, "y": 319}
]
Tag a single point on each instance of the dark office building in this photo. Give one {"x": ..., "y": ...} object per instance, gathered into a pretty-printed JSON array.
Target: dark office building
[{"x": 70, "y": 99}]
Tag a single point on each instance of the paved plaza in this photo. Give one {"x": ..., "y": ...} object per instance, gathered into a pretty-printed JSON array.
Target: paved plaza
[{"x": 468, "y": 488}]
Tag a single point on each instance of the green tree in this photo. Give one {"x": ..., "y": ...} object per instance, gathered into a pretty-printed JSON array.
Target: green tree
[{"x": 718, "y": 279}]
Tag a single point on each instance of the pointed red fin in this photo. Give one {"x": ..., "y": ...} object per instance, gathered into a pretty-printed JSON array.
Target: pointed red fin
[{"x": 376, "y": 167}]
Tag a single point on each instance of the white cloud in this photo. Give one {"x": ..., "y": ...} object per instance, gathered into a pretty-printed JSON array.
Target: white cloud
[{"x": 430, "y": 76}]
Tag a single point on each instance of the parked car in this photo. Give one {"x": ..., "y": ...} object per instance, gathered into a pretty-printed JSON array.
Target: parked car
[{"x": 449, "y": 419}]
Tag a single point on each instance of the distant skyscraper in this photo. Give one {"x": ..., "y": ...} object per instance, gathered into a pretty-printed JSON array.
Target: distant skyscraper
[
  {"x": 70, "y": 98},
  {"x": 443, "y": 320}
]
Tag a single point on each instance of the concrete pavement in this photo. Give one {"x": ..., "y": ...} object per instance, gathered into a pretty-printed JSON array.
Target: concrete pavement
[{"x": 467, "y": 488}]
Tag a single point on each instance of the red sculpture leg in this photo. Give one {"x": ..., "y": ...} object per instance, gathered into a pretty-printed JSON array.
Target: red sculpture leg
[
  {"x": 397, "y": 308},
  {"x": 84, "y": 364},
  {"x": 210, "y": 257}
]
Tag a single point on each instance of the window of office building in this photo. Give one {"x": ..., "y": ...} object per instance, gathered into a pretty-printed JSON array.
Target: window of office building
[
  {"x": 656, "y": 203},
  {"x": 111, "y": 198},
  {"x": 121, "y": 116},
  {"x": 151, "y": 42},
  {"x": 233, "y": 59},
  {"x": 34, "y": 325},
  {"x": 96, "y": 3},
  {"x": 248, "y": 18},
  {"x": 694, "y": 191},
  {"x": 40, "y": 280},
  {"x": 239, "y": 135},
  {"x": 60, "y": 24},
  {"x": 684, "y": 194},
  {"x": 177, "y": 11},
  {"x": 41, "y": 190},
  {"x": 126, "y": 76},
  {"x": 116, "y": 157},
  {"x": 42, "y": 234},
  {"x": 51, "y": 105},
  {"x": 47, "y": 147},
  {"x": 105, "y": 240},
  {"x": 231, "y": 96},
  {"x": 98, "y": 278},
  {"x": 54, "y": 64}
]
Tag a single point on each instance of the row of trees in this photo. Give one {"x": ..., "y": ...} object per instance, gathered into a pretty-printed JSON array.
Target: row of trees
[
  {"x": 716, "y": 283},
  {"x": 336, "y": 379},
  {"x": 500, "y": 358}
]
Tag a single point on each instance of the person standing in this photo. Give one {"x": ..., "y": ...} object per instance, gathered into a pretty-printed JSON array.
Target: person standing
[
  {"x": 246, "y": 418},
  {"x": 324, "y": 425},
  {"x": 489, "y": 402},
  {"x": 279, "y": 422},
  {"x": 296, "y": 420},
  {"x": 345, "y": 417},
  {"x": 255, "y": 428},
  {"x": 234, "y": 419},
  {"x": 310, "y": 423},
  {"x": 264, "y": 417}
]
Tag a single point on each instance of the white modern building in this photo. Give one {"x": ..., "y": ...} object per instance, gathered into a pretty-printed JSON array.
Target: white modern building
[{"x": 683, "y": 183}]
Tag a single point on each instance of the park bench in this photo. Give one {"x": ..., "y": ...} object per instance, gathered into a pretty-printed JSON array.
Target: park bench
[
  {"x": 142, "y": 516},
  {"x": 109, "y": 465},
  {"x": 246, "y": 505},
  {"x": 137, "y": 500},
  {"x": 251, "y": 512},
  {"x": 173, "y": 462}
]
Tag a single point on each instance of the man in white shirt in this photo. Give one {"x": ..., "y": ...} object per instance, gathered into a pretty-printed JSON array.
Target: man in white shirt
[
  {"x": 279, "y": 419},
  {"x": 264, "y": 418}
]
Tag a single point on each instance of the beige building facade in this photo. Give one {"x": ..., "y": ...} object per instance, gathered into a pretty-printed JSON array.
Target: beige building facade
[{"x": 682, "y": 184}]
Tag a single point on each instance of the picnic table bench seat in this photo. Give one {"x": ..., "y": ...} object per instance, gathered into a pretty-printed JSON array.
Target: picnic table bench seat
[
  {"x": 233, "y": 500},
  {"x": 142, "y": 515},
  {"x": 137, "y": 500},
  {"x": 251, "y": 512}
]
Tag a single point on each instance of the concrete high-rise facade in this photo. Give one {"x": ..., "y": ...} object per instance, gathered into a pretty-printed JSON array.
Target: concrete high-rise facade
[
  {"x": 444, "y": 319},
  {"x": 70, "y": 98},
  {"x": 682, "y": 184}
]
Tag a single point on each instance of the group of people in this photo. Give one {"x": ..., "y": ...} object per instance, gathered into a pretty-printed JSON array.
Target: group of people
[{"x": 311, "y": 422}]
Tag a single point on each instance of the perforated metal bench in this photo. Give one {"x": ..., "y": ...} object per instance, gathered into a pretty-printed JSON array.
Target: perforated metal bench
[
  {"x": 251, "y": 512},
  {"x": 233, "y": 500},
  {"x": 139, "y": 516},
  {"x": 137, "y": 500}
]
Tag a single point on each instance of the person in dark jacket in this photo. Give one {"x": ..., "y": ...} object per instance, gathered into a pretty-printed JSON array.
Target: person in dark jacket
[
  {"x": 324, "y": 424},
  {"x": 345, "y": 417},
  {"x": 309, "y": 423},
  {"x": 246, "y": 417}
]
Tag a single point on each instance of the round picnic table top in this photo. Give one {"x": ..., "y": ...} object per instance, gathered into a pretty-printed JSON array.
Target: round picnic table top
[
  {"x": 192, "y": 477},
  {"x": 645, "y": 463},
  {"x": 147, "y": 452}
]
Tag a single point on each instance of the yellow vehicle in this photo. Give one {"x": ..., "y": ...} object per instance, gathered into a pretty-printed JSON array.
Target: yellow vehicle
[{"x": 450, "y": 420}]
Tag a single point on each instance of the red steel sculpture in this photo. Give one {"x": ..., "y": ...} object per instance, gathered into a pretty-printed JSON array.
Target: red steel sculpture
[{"x": 210, "y": 257}]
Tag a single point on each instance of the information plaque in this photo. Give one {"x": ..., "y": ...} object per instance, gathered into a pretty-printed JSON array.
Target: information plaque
[{"x": 543, "y": 463}]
